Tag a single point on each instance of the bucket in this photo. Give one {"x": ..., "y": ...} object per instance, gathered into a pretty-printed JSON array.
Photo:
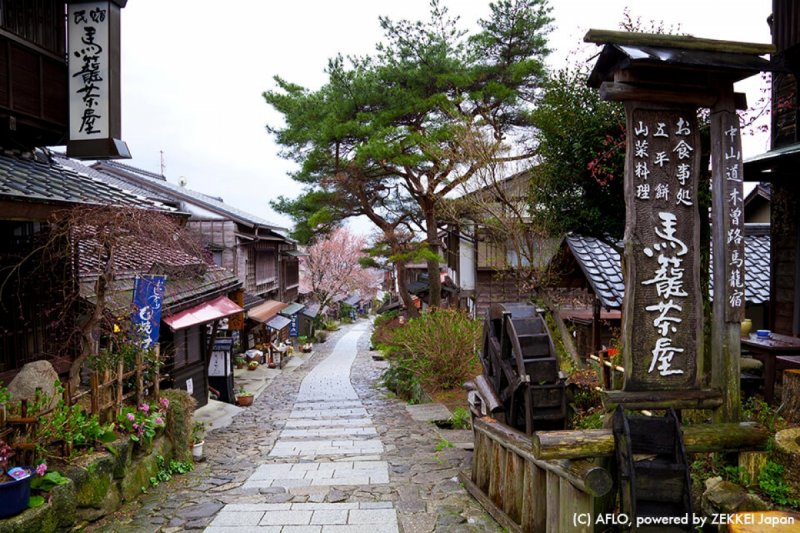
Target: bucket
[{"x": 14, "y": 495}]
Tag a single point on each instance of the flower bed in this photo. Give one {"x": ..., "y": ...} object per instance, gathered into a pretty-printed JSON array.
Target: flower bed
[{"x": 101, "y": 481}]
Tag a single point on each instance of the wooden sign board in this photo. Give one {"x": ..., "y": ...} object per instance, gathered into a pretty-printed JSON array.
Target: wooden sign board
[{"x": 663, "y": 305}]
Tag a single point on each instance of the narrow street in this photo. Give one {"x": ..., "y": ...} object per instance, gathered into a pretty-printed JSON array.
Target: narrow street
[{"x": 323, "y": 449}]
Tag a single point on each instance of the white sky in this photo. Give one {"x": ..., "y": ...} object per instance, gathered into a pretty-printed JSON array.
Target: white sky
[{"x": 193, "y": 73}]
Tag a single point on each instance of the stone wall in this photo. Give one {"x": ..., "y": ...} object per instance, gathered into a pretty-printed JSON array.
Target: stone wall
[{"x": 101, "y": 482}]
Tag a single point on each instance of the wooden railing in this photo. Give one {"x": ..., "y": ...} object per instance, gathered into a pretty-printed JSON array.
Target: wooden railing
[
  {"x": 525, "y": 494},
  {"x": 105, "y": 398}
]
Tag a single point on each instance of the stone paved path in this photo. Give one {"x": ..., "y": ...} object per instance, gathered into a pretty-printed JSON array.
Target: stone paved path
[
  {"x": 323, "y": 450},
  {"x": 333, "y": 442}
]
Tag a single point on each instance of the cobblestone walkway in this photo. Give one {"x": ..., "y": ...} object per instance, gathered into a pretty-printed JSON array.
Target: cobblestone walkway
[
  {"x": 323, "y": 450},
  {"x": 332, "y": 442}
]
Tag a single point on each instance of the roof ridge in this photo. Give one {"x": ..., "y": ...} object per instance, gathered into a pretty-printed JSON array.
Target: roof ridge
[{"x": 147, "y": 173}]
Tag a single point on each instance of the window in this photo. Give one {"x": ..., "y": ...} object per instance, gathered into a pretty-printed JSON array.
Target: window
[{"x": 266, "y": 266}]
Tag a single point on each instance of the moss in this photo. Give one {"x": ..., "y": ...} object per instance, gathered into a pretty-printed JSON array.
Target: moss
[
  {"x": 56, "y": 514},
  {"x": 138, "y": 475},
  {"x": 179, "y": 422},
  {"x": 93, "y": 479},
  {"x": 122, "y": 452}
]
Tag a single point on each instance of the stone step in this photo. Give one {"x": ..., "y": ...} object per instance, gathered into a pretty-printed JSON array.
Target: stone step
[
  {"x": 314, "y": 474},
  {"x": 361, "y": 517}
]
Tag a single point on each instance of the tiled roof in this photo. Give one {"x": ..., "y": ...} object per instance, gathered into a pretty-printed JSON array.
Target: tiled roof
[
  {"x": 178, "y": 291},
  {"x": 136, "y": 256},
  {"x": 756, "y": 264},
  {"x": 38, "y": 177},
  {"x": 152, "y": 181},
  {"x": 601, "y": 265},
  {"x": 251, "y": 300},
  {"x": 111, "y": 180}
]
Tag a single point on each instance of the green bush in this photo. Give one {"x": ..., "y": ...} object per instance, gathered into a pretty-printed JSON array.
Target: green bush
[
  {"x": 403, "y": 382},
  {"x": 439, "y": 347},
  {"x": 773, "y": 484}
]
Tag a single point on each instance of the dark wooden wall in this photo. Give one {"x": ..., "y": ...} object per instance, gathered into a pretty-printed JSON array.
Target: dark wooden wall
[{"x": 33, "y": 73}]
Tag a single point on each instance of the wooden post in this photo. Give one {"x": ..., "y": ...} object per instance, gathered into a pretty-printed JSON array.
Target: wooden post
[
  {"x": 514, "y": 477},
  {"x": 94, "y": 393},
  {"x": 157, "y": 373},
  {"x": 139, "y": 379},
  {"x": 727, "y": 243},
  {"x": 120, "y": 388}
]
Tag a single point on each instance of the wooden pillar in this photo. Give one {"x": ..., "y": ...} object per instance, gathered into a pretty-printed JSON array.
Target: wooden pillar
[
  {"x": 727, "y": 243},
  {"x": 597, "y": 343}
]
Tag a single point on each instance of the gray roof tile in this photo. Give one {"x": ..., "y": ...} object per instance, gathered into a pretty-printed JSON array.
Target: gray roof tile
[
  {"x": 45, "y": 178},
  {"x": 601, "y": 266}
]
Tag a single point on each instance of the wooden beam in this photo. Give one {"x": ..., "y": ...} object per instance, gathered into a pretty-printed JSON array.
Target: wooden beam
[
  {"x": 678, "y": 399},
  {"x": 732, "y": 437},
  {"x": 686, "y": 42},
  {"x": 621, "y": 92}
]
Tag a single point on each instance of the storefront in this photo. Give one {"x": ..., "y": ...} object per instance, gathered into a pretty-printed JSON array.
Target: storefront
[{"x": 185, "y": 344}]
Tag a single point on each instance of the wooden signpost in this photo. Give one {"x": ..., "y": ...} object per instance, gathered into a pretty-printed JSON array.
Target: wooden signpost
[{"x": 663, "y": 80}]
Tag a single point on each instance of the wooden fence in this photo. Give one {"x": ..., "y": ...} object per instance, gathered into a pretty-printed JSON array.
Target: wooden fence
[
  {"x": 105, "y": 398},
  {"x": 525, "y": 494}
]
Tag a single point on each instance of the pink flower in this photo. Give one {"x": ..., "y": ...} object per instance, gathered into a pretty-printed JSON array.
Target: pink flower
[
  {"x": 41, "y": 469},
  {"x": 131, "y": 417},
  {"x": 159, "y": 420},
  {"x": 144, "y": 407},
  {"x": 164, "y": 402},
  {"x": 136, "y": 426}
]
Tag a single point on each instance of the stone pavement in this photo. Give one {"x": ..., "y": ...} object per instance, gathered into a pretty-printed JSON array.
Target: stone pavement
[{"x": 323, "y": 450}]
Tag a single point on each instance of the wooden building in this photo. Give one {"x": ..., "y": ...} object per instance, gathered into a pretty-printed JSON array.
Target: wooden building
[
  {"x": 258, "y": 252},
  {"x": 779, "y": 167}
]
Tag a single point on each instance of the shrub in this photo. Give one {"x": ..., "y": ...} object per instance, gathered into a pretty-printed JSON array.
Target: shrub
[
  {"x": 439, "y": 347},
  {"x": 321, "y": 336},
  {"x": 461, "y": 418},
  {"x": 403, "y": 382},
  {"x": 773, "y": 484}
]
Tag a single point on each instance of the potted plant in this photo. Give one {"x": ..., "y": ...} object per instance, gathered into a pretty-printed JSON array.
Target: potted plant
[
  {"x": 244, "y": 397},
  {"x": 239, "y": 361},
  {"x": 198, "y": 439},
  {"x": 15, "y": 484},
  {"x": 252, "y": 365}
]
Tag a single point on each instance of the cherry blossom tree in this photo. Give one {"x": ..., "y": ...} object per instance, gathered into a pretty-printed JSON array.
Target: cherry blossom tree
[{"x": 332, "y": 267}]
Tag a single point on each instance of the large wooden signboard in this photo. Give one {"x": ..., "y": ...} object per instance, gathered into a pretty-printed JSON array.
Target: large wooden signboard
[{"x": 662, "y": 287}]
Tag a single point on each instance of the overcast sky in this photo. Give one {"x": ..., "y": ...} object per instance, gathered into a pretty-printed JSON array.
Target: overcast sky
[{"x": 193, "y": 72}]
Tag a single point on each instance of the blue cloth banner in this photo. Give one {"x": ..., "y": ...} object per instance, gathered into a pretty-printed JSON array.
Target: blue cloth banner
[
  {"x": 293, "y": 326},
  {"x": 148, "y": 294}
]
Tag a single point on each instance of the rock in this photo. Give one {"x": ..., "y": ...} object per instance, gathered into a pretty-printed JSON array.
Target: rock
[
  {"x": 200, "y": 510},
  {"x": 724, "y": 497},
  {"x": 35, "y": 375},
  {"x": 335, "y": 496}
]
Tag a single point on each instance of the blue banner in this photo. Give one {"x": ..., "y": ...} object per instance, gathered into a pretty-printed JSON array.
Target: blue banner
[
  {"x": 293, "y": 329},
  {"x": 148, "y": 294}
]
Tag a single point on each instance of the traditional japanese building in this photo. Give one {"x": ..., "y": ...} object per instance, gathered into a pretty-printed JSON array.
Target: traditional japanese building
[
  {"x": 257, "y": 251},
  {"x": 779, "y": 168}
]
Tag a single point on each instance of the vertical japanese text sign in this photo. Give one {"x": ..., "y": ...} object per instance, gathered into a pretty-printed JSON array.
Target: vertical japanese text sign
[
  {"x": 89, "y": 71},
  {"x": 662, "y": 308},
  {"x": 148, "y": 294},
  {"x": 93, "y": 68},
  {"x": 733, "y": 218}
]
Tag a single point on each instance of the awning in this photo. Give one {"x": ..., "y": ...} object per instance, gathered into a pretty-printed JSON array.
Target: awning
[
  {"x": 353, "y": 300},
  {"x": 205, "y": 312},
  {"x": 279, "y": 322},
  {"x": 292, "y": 309},
  {"x": 311, "y": 311},
  {"x": 296, "y": 253},
  {"x": 265, "y": 311}
]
